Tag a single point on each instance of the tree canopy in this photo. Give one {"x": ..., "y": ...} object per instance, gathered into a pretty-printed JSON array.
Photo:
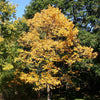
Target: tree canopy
[
  {"x": 51, "y": 39},
  {"x": 84, "y": 14}
]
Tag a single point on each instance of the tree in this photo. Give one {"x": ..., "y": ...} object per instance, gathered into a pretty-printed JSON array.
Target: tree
[
  {"x": 86, "y": 17},
  {"x": 10, "y": 31},
  {"x": 51, "y": 40},
  {"x": 7, "y": 32}
]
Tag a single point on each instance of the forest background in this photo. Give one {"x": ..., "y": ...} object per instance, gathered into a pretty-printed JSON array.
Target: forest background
[{"x": 83, "y": 79}]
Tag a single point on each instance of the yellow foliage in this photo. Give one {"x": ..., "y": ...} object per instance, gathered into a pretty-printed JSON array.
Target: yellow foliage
[
  {"x": 51, "y": 38},
  {"x": 7, "y": 66},
  {"x": 1, "y": 39}
]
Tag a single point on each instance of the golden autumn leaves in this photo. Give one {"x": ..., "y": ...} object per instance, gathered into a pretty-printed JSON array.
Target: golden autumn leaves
[{"x": 51, "y": 39}]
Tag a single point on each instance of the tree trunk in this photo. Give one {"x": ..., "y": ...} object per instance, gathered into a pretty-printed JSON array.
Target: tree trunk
[
  {"x": 48, "y": 92},
  {"x": 67, "y": 96},
  {"x": 38, "y": 95}
]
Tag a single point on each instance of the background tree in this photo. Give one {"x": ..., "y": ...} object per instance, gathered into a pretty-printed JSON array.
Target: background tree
[
  {"x": 7, "y": 29},
  {"x": 9, "y": 33}
]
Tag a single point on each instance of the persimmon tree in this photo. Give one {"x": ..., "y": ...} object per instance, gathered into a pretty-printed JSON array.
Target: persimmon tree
[{"x": 50, "y": 49}]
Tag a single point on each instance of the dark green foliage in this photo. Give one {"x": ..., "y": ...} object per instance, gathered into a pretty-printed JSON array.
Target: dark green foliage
[{"x": 12, "y": 91}]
